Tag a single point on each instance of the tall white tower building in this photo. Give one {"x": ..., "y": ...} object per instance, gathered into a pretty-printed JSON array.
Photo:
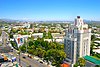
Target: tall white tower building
[{"x": 77, "y": 40}]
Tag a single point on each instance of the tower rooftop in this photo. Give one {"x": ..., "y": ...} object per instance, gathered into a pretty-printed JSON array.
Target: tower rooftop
[{"x": 78, "y": 16}]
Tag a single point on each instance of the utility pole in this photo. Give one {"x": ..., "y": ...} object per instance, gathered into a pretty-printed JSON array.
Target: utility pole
[
  {"x": 19, "y": 57},
  {"x": 26, "y": 41},
  {"x": 26, "y": 48},
  {"x": 26, "y": 45}
]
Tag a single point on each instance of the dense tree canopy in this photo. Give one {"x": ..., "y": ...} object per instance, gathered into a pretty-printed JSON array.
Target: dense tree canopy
[
  {"x": 53, "y": 52},
  {"x": 81, "y": 62}
]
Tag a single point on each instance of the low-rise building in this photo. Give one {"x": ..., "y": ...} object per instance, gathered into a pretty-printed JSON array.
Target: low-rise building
[
  {"x": 55, "y": 40},
  {"x": 57, "y": 36},
  {"x": 98, "y": 42},
  {"x": 91, "y": 62},
  {"x": 65, "y": 65},
  {"x": 96, "y": 51},
  {"x": 49, "y": 40},
  {"x": 36, "y": 35}
]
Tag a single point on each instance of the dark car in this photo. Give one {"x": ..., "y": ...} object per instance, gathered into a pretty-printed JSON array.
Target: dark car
[
  {"x": 11, "y": 50},
  {"x": 24, "y": 57},
  {"x": 0, "y": 64},
  {"x": 41, "y": 62}
]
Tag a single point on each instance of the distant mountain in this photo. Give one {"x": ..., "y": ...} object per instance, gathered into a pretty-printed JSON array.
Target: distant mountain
[
  {"x": 8, "y": 20},
  {"x": 55, "y": 21},
  {"x": 91, "y": 21},
  {"x": 14, "y": 21}
]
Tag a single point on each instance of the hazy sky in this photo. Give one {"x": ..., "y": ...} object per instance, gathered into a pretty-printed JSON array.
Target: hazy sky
[{"x": 50, "y": 9}]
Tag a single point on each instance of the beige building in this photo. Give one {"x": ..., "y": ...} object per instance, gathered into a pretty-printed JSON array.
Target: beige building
[{"x": 77, "y": 40}]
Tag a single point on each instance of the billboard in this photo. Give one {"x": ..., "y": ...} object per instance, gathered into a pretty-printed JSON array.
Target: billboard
[{"x": 20, "y": 41}]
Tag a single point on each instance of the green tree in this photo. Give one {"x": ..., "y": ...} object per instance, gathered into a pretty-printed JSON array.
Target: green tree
[
  {"x": 76, "y": 65},
  {"x": 97, "y": 66},
  {"x": 53, "y": 52},
  {"x": 11, "y": 36},
  {"x": 81, "y": 62},
  {"x": 13, "y": 30},
  {"x": 55, "y": 56},
  {"x": 0, "y": 32},
  {"x": 23, "y": 48},
  {"x": 30, "y": 43},
  {"x": 91, "y": 47},
  {"x": 93, "y": 37},
  {"x": 40, "y": 52},
  {"x": 14, "y": 44}
]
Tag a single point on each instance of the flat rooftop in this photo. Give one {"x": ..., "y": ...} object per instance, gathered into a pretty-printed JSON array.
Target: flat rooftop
[
  {"x": 96, "y": 50},
  {"x": 93, "y": 60}
]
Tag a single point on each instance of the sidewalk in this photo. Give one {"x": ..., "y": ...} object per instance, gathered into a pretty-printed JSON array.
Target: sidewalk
[{"x": 10, "y": 64}]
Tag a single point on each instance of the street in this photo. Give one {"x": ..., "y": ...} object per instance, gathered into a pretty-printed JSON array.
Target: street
[
  {"x": 24, "y": 61},
  {"x": 27, "y": 61}
]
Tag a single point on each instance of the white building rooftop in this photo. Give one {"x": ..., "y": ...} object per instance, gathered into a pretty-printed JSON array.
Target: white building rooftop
[
  {"x": 96, "y": 50},
  {"x": 97, "y": 42},
  {"x": 36, "y": 34}
]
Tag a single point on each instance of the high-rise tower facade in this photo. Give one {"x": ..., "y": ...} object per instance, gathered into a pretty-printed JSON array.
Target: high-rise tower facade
[{"x": 77, "y": 40}]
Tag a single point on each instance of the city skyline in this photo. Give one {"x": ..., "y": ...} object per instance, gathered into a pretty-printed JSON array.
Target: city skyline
[{"x": 38, "y": 10}]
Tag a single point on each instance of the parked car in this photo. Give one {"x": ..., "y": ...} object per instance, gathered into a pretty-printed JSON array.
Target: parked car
[
  {"x": 29, "y": 56},
  {"x": 24, "y": 57},
  {"x": 11, "y": 50},
  {"x": 41, "y": 62}
]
